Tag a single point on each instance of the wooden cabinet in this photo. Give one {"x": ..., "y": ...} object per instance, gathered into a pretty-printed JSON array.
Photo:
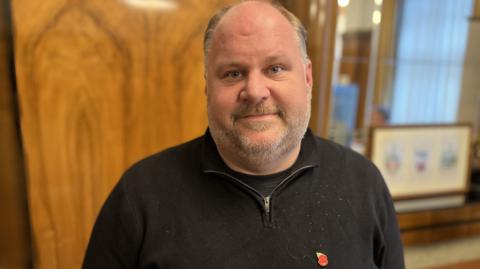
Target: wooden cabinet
[{"x": 428, "y": 226}]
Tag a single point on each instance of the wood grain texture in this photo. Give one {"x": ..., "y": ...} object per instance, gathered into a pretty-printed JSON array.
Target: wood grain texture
[
  {"x": 101, "y": 84},
  {"x": 14, "y": 230}
]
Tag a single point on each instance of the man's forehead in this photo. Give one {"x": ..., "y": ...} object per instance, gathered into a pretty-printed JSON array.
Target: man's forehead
[
  {"x": 251, "y": 32},
  {"x": 259, "y": 48},
  {"x": 250, "y": 17}
]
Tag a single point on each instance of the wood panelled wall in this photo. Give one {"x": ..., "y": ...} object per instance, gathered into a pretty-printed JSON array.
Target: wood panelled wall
[
  {"x": 319, "y": 18},
  {"x": 355, "y": 63},
  {"x": 14, "y": 235},
  {"x": 101, "y": 85},
  {"x": 383, "y": 89}
]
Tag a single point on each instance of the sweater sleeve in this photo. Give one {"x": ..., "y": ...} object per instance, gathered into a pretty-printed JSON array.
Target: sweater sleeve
[
  {"x": 115, "y": 239},
  {"x": 389, "y": 254}
]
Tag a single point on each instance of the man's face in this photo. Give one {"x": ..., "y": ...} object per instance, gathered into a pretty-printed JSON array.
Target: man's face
[{"x": 258, "y": 85}]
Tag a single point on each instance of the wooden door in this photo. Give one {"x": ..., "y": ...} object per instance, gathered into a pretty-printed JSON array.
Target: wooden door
[{"x": 101, "y": 84}]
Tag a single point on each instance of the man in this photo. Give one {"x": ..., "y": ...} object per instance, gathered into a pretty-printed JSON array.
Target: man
[
  {"x": 258, "y": 190},
  {"x": 379, "y": 116}
]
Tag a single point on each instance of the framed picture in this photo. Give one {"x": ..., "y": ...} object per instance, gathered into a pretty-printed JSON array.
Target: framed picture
[{"x": 421, "y": 161}]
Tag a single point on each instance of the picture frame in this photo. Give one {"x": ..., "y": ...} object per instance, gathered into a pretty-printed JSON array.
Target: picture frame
[{"x": 423, "y": 161}]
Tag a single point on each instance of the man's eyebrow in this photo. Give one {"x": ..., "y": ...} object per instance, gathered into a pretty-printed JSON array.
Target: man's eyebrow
[
  {"x": 227, "y": 65},
  {"x": 277, "y": 58}
]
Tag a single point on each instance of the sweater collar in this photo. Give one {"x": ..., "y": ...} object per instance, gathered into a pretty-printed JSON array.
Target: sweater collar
[{"x": 211, "y": 159}]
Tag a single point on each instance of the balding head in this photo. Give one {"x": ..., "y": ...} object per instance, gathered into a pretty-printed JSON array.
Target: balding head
[
  {"x": 254, "y": 11},
  {"x": 258, "y": 87}
]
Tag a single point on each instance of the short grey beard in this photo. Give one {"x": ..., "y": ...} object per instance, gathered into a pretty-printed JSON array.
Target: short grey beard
[{"x": 260, "y": 154}]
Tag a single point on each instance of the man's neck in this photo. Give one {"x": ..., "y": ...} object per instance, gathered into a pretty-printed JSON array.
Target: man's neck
[{"x": 260, "y": 167}]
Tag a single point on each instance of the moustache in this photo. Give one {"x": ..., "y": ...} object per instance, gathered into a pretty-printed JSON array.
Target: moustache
[{"x": 255, "y": 110}]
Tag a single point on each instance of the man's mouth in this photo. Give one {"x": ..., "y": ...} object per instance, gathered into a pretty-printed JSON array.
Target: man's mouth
[
  {"x": 257, "y": 116},
  {"x": 259, "y": 113}
]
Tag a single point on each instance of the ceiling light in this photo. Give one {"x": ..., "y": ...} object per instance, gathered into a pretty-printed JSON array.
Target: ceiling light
[
  {"x": 376, "y": 17},
  {"x": 343, "y": 3},
  {"x": 153, "y": 4}
]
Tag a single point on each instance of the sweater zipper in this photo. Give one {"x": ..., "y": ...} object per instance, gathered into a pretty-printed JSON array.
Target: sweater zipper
[
  {"x": 266, "y": 199},
  {"x": 266, "y": 204}
]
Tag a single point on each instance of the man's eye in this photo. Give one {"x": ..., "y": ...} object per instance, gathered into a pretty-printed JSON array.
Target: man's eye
[
  {"x": 275, "y": 69},
  {"x": 233, "y": 74}
]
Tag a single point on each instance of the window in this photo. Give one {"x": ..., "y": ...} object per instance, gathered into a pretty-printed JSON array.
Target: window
[{"x": 429, "y": 60}]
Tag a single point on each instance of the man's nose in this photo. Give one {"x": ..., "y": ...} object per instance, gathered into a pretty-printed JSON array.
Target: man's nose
[{"x": 256, "y": 88}]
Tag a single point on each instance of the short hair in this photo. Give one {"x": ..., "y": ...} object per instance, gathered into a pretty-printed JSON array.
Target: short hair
[{"x": 300, "y": 31}]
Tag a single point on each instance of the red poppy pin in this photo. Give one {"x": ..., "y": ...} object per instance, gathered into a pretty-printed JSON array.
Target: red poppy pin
[{"x": 322, "y": 259}]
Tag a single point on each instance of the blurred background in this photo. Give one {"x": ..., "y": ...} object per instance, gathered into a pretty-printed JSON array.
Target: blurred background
[{"x": 88, "y": 87}]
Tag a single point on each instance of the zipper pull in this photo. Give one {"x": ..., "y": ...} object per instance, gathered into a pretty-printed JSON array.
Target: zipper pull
[{"x": 266, "y": 203}]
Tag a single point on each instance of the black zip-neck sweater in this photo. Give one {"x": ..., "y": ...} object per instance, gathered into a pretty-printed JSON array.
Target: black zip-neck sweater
[{"x": 181, "y": 208}]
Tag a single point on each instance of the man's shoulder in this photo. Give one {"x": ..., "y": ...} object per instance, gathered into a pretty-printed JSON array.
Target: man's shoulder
[
  {"x": 330, "y": 147},
  {"x": 181, "y": 156},
  {"x": 351, "y": 171},
  {"x": 347, "y": 158}
]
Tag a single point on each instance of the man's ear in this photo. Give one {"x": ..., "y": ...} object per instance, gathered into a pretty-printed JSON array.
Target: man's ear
[{"x": 308, "y": 73}]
